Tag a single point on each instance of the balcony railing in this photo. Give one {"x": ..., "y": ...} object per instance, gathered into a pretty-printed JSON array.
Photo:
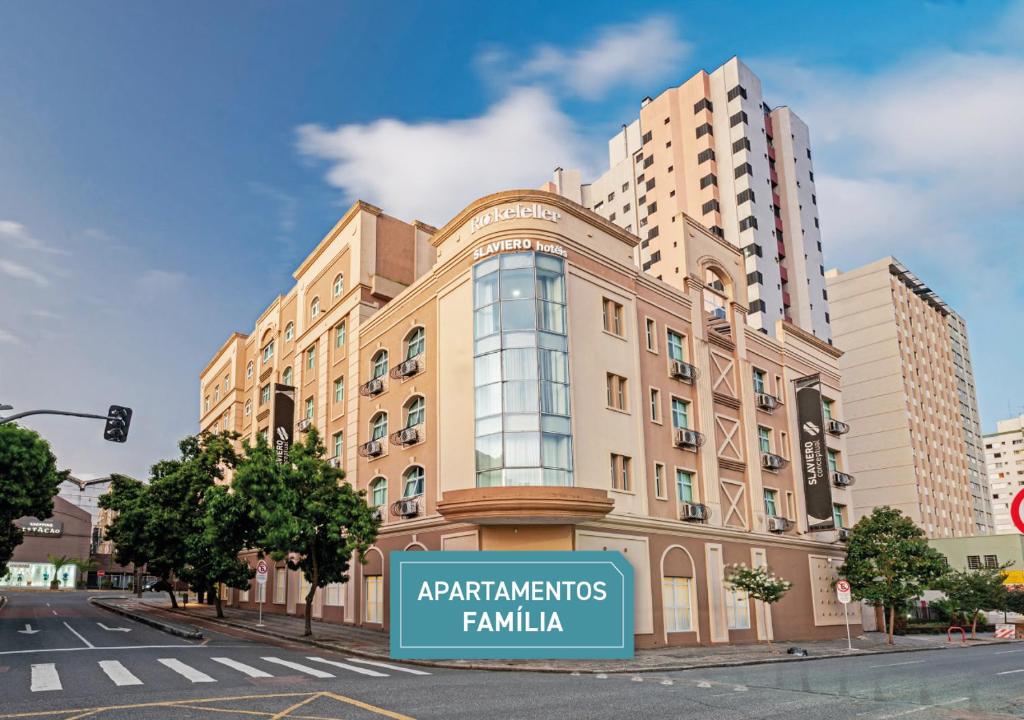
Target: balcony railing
[
  {"x": 841, "y": 479},
  {"x": 406, "y": 369},
  {"x": 373, "y": 448},
  {"x": 837, "y": 427},
  {"x": 407, "y": 436},
  {"x": 405, "y": 508},
  {"x": 371, "y": 388}
]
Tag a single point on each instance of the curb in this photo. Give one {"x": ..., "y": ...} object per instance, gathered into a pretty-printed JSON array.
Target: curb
[
  {"x": 187, "y": 632},
  {"x": 551, "y": 670}
]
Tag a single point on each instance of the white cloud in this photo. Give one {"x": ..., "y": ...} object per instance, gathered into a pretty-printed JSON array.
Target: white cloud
[
  {"x": 430, "y": 170},
  {"x": 629, "y": 55},
  {"x": 19, "y": 271},
  {"x": 16, "y": 234},
  {"x": 46, "y": 314},
  {"x": 9, "y": 338},
  {"x": 158, "y": 281}
]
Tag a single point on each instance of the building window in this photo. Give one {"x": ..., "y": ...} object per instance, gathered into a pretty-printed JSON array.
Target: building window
[
  {"x": 289, "y": 331},
  {"x": 263, "y": 434},
  {"x": 676, "y": 347},
  {"x": 655, "y": 405},
  {"x": 621, "y": 472},
  {"x": 652, "y": 337},
  {"x": 309, "y": 409},
  {"x": 760, "y": 381},
  {"x": 379, "y": 365},
  {"x": 332, "y": 594},
  {"x": 748, "y": 222},
  {"x": 248, "y": 371},
  {"x": 339, "y": 444},
  {"x": 991, "y": 562},
  {"x": 839, "y": 515},
  {"x": 756, "y": 306},
  {"x": 675, "y": 600},
  {"x": 764, "y": 439},
  {"x": 755, "y": 278},
  {"x": 339, "y": 335},
  {"x": 710, "y": 206},
  {"x": 412, "y": 485},
  {"x": 659, "y": 480},
  {"x": 415, "y": 343},
  {"x": 374, "y": 591},
  {"x": 311, "y": 357},
  {"x": 265, "y": 394},
  {"x": 974, "y": 562},
  {"x": 612, "y": 317},
  {"x": 280, "y": 585},
  {"x": 705, "y": 129},
  {"x": 833, "y": 460},
  {"x": 745, "y": 196},
  {"x": 737, "y": 609},
  {"x": 339, "y": 284},
  {"x": 314, "y": 309},
  {"x": 680, "y": 414},
  {"x": 415, "y": 411},
  {"x": 379, "y": 426},
  {"x": 616, "y": 387},
  {"x": 742, "y": 144},
  {"x": 702, "y": 104},
  {"x": 737, "y": 118},
  {"x": 826, "y": 408},
  {"x": 771, "y": 502},
  {"x": 706, "y": 156},
  {"x": 288, "y": 376},
  {"x": 268, "y": 352},
  {"x": 248, "y": 408},
  {"x": 738, "y": 91},
  {"x": 378, "y": 492},
  {"x": 744, "y": 169},
  {"x": 708, "y": 180},
  {"x": 643, "y": 141},
  {"x": 684, "y": 486},
  {"x": 339, "y": 391}
]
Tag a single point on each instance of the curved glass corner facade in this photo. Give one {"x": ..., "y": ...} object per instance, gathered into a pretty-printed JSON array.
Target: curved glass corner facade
[{"x": 520, "y": 349}]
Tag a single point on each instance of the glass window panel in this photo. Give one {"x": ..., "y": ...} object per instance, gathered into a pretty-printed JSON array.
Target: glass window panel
[
  {"x": 550, "y": 285},
  {"x": 488, "y": 369},
  {"x": 556, "y": 424},
  {"x": 490, "y": 478},
  {"x": 516, "y": 260},
  {"x": 558, "y": 478},
  {"x": 517, "y": 315},
  {"x": 486, "y": 321},
  {"x": 554, "y": 342},
  {"x": 517, "y": 284},
  {"x": 554, "y": 398},
  {"x": 519, "y": 364},
  {"x": 485, "y": 291},
  {"x": 486, "y": 426},
  {"x": 488, "y": 452},
  {"x": 486, "y": 267},
  {"x": 522, "y": 423},
  {"x": 519, "y": 339},
  {"x": 552, "y": 264},
  {"x": 520, "y": 396},
  {"x": 551, "y": 317},
  {"x": 556, "y": 451},
  {"x": 522, "y": 449},
  {"x": 488, "y": 400},
  {"x": 554, "y": 366},
  {"x": 487, "y": 344},
  {"x": 524, "y": 476}
]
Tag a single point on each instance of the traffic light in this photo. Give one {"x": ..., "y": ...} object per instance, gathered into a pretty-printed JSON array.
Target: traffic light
[{"x": 118, "y": 420}]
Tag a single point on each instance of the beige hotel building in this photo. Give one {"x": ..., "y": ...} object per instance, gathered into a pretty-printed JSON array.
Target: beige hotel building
[{"x": 514, "y": 381}]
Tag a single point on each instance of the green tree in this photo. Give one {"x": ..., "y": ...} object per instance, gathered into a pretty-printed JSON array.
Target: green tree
[
  {"x": 306, "y": 513},
  {"x": 28, "y": 481},
  {"x": 759, "y": 583},
  {"x": 228, "y": 528},
  {"x": 130, "y": 528},
  {"x": 974, "y": 591},
  {"x": 1015, "y": 601},
  {"x": 84, "y": 567},
  {"x": 58, "y": 562},
  {"x": 889, "y": 561}
]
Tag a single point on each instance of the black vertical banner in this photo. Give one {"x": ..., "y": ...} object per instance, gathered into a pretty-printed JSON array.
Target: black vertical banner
[
  {"x": 813, "y": 455},
  {"x": 284, "y": 420}
]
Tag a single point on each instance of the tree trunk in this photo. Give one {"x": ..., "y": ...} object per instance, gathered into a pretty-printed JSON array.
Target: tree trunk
[
  {"x": 217, "y": 604},
  {"x": 974, "y": 626},
  {"x": 170, "y": 591},
  {"x": 212, "y": 594},
  {"x": 892, "y": 624},
  {"x": 200, "y": 594},
  {"x": 137, "y": 579}
]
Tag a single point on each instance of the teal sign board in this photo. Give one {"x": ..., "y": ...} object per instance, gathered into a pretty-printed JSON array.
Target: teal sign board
[{"x": 511, "y": 605}]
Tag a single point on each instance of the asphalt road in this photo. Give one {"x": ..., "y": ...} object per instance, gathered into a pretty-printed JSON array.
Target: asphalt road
[{"x": 61, "y": 658}]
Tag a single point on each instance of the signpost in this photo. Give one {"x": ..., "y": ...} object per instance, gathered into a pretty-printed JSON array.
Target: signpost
[
  {"x": 844, "y": 596},
  {"x": 261, "y": 582}
]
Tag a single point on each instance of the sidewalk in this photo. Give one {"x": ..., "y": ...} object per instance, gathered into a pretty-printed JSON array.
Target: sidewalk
[{"x": 373, "y": 644}]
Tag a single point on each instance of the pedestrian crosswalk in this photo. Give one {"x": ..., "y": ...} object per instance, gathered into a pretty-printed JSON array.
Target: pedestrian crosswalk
[{"x": 46, "y": 677}]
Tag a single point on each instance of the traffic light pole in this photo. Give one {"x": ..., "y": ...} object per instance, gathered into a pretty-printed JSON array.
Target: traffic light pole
[{"x": 18, "y": 416}]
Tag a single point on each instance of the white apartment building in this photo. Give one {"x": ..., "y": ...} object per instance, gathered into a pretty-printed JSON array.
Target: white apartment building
[{"x": 1004, "y": 458}]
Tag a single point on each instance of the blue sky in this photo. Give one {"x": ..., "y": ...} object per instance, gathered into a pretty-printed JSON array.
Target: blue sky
[{"x": 163, "y": 168}]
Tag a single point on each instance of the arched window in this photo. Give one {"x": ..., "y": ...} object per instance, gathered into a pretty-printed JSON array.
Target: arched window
[
  {"x": 380, "y": 365},
  {"x": 379, "y": 426},
  {"x": 248, "y": 371},
  {"x": 314, "y": 309},
  {"x": 289, "y": 331},
  {"x": 415, "y": 411},
  {"x": 288, "y": 376},
  {"x": 415, "y": 343},
  {"x": 378, "y": 492},
  {"x": 248, "y": 408},
  {"x": 412, "y": 484},
  {"x": 268, "y": 352},
  {"x": 339, "y": 284}
]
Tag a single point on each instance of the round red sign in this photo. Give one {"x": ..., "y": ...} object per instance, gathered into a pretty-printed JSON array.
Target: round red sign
[{"x": 1018, "y": 500}]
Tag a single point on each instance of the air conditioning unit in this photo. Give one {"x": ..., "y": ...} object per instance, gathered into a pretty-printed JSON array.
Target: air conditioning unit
[
  {"x": 766, "y": 402},
  {"x": 408, "y": 508},
  {"x": 407, "y": 369},
  {"x": 372, "y": 448},
  {"x": 378, "y": 514},
  {"x": 407, "y": 436},
  {"x": 841, "y": 479},
  {"x": 775, "y": 524},
  {"x": 304, "y": 424},
  {"x": 770, "y": 461},
  {"x": 694, "y": 512},
  {"x": 718, "y": 313},
  {"x": 335, "y": 462},
  {"x": 835, "y": 427},
  {"x": 373, "y": 387},
  {"x": 683, "y": 371},
  {"x": 686, "y": 438},
  {"x": 843, "y": 534}
]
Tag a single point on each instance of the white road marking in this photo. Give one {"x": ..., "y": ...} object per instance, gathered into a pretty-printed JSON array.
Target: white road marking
[
  {"x": 114, "y": 629},
  {"x": 54, "y": 612},
  {"x": 301, "y": 668},
  {"x": 703, "y": 684},
  {"x": 118, "y": 673},
  {"x": 1010, "y": 672},
  {"x": 637, "y": 678},
  {"x": 186, "y": 671},
  {"x": 1007, "y": 652},
  {"x": 114, "y": 647},
  {"x": 87, "y": 643},
  {"x": 666, "y": 682},
  {"x": 922, "y": 708},
  {"x": 909, "y": 662},
  {"x": 601, "y": 676},
  {"x": 399, "y": 668},
  {"x": 29, "y": 630},
  {"x": 47, "y": 604},
  {"x": 346, "y": 666},
  {"x": 242, "y": 667},
  {"x": 45, "y": 677}
]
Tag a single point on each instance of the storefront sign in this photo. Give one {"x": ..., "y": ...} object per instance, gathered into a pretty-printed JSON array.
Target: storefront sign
[
  {"x": 511, "y": 605},
  {"x": 513, "y": 212},
  {"x": 519, "y": 245},
  {"x": 813, "y": 458},
  {"x": 41, "y": 528},
  {"x": 284, "y": 421}
]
